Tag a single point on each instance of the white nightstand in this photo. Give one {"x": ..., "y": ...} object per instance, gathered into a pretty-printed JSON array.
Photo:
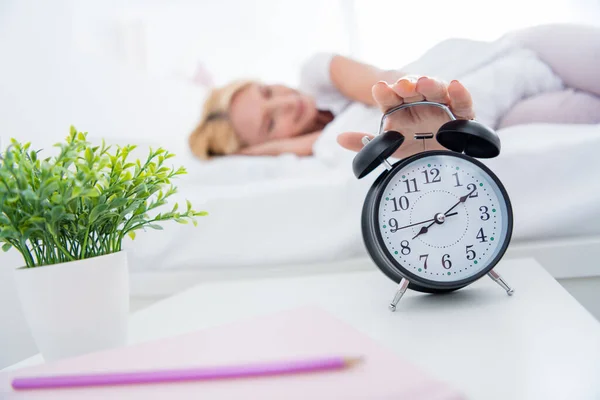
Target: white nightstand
[{"x": 538, "y": 344}]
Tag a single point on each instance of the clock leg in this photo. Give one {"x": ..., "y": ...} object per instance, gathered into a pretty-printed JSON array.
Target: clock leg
[
  {"x": 399, "y": 293},
  {"x": 498, "y": 279}
]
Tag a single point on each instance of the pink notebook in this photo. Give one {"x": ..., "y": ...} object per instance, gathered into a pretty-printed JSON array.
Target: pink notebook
[{"x": 301, "y": 333}]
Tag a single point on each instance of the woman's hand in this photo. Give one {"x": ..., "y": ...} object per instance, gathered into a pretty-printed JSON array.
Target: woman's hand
[
  {"x": 299, "y": 145},
  {"x": 419, "y": 119}
]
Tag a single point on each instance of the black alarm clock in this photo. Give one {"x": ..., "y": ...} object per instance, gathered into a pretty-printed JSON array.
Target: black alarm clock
[{"x": 436, "y": 221}]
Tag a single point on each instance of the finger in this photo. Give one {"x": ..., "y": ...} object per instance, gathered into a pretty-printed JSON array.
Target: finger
[
  {"x": 248, "y": 151},
  {"x": 384, "y": 96},
  {"x": 257, "y": 149},
  {"x": 352, "y": 140},
  {"x": 407, "y": 89},
  {"x": 433, "y": 90},
  {"x": 461, "y": 103}
]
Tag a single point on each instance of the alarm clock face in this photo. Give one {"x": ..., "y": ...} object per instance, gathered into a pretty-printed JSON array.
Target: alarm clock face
[{"x": 442, "y": 218}]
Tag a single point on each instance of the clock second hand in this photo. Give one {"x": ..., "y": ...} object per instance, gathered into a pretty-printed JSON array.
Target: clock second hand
[
  {"x": 462, "y": 199},
  {"x": 422, "y": 222}
]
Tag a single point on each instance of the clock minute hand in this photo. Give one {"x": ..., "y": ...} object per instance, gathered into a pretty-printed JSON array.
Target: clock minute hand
[{"x": 461, "y": 200}]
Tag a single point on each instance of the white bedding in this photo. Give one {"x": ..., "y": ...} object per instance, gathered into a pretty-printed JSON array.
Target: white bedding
[
  {"x": 285, "y": 209},
  {"x": 313, "y": 214}
]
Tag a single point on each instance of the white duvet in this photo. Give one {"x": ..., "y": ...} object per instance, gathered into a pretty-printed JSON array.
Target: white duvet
[
  {"x": 288, "y": 209},
  {"x": 309, "y": 210}
]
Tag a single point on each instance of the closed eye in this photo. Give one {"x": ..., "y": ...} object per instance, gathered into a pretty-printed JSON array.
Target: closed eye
[
  {"x": 271, "y": 125},
  {"x": 266, "y": 91}
]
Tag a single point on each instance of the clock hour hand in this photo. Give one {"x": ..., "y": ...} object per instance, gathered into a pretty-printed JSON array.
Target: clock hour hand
[
  {"x": 423, "y": 230},
  {"x": 438, "y": 219}
]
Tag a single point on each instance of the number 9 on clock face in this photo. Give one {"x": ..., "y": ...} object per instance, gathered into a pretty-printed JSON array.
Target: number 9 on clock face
[{"x": 442, "y": 220}]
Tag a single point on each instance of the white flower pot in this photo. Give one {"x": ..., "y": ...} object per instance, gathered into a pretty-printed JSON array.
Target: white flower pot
[{"x": 76, "y": 307}]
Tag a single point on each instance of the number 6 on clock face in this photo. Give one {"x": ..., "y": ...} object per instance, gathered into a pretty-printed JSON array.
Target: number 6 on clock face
[{"x": 439, "y": 219}]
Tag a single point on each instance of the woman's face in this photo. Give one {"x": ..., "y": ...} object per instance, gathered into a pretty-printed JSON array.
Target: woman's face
[{"x": 260, "y": 113}]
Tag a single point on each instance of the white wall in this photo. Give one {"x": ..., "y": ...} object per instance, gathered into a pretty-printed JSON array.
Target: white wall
[
  {"x": 268, "y": 39},
  {"x": 264, "y": 39}
]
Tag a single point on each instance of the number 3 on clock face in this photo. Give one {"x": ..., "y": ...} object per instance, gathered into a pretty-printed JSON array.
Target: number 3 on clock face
[{"x": 440, "y": 219}]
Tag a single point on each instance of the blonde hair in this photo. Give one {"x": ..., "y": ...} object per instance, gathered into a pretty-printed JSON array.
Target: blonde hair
[{"x": 215, "y": 134}]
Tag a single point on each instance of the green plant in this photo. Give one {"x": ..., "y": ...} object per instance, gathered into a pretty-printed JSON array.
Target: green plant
[{"x": 82, "y": 202}]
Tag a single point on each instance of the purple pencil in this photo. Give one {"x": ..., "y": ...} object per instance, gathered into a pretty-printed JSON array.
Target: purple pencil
[{"x": 187, "y": 374}]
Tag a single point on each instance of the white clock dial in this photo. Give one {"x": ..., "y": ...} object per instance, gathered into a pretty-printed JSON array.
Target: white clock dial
[{"x": 443, "y": 218}]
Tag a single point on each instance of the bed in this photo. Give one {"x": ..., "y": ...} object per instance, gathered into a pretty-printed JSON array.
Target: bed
[{"x": 273, "y": 211}]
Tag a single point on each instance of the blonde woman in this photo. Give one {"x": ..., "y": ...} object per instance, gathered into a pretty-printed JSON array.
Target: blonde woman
[{"x": 253, "y": 118}]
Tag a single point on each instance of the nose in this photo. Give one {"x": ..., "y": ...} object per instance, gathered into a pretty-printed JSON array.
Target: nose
[{"x": 285, "y": 105}]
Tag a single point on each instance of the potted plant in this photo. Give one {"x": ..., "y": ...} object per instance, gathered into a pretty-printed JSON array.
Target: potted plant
[{"x": 68, "y": 216}]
